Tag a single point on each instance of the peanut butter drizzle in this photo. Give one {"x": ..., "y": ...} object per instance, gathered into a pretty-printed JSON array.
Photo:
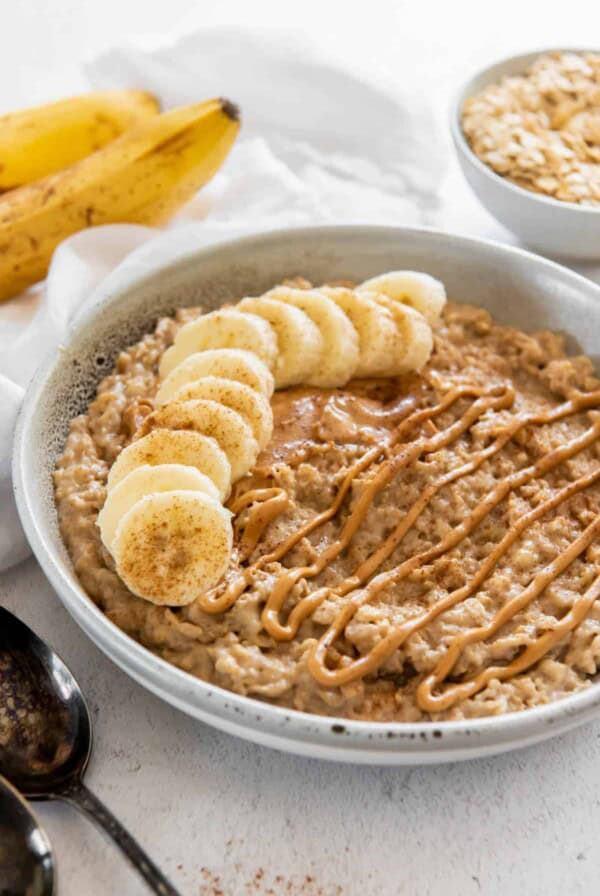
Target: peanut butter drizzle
[
  {"x": 277, "y": 597},
  {"x": 371, "y": 661},
  {"x": 532, "y": 653},
  {"x": 389, "y": 644},
  {"x": 369, "y": 566},
  {"x": 212, "y": 602},
  {"x": 270, "y": 503},
  {"x": 500, "y": 397}
]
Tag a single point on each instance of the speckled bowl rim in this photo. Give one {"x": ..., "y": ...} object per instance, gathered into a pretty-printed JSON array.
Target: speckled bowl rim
[
  {"x": 462, "y": 144},
  {"x": 291, "y": 730}
]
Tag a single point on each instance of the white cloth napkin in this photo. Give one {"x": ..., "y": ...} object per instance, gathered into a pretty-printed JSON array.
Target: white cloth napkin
[{"x": 318, "y": 144}]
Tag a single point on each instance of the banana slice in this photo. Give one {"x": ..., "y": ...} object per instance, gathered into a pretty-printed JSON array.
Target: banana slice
[
  {"x": 340, "y": 354},
  {"x": 253, "y": 407},
  {"x": 230, "y": 363},
  {"x": 377, "y": 331},
  {"x": 420, "y": 291},
  {"x": 171, "y": 546},
  {"x": 225, "y": 328},
  {"x": 147, "y": 480},
  {"x": 299, "y": 340},
  {"x": 415, "y": 333},
  {"x": 211, "y": 419},
  {"x": 164, "y": 446}
]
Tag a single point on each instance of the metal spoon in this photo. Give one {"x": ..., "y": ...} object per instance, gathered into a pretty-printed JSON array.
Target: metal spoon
[
  {"x": 46, "y": 736},
  {"x": 26, "y": 863}
]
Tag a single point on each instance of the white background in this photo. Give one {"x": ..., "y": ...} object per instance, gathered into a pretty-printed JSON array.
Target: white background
[{"x": 214, "y": 811}]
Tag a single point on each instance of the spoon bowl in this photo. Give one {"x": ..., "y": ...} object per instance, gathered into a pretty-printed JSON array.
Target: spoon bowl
[
  {"x": 46, "y": 737},
  {"x": 26, "y": 861}
]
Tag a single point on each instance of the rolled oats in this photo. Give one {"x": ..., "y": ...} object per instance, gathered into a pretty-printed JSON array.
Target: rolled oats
[{"x": 541, "y": 130}]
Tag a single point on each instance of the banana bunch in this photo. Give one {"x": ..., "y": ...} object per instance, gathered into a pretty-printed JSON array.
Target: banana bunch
[
  {"x": 142, "y": 177},
  {"x": 163, "y": 520}
]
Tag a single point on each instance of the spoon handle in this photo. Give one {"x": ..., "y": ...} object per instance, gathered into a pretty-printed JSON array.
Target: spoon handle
[{"x": 90, "y": 805}]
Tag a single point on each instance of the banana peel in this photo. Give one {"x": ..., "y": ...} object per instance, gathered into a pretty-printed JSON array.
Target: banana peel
[
  {"x": 45, "y": 139},
  {"x": 142, "y": 177}
]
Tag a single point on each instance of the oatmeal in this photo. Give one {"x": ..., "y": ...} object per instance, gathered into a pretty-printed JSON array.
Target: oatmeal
[
  {"x": 408, "y": 548},
  {"x": 541, "y": 130}
]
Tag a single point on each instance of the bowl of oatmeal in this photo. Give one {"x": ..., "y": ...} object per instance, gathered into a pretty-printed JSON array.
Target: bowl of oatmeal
[
  {"x": 413, "y": 572},
  {"x": 527, "y": 134}
]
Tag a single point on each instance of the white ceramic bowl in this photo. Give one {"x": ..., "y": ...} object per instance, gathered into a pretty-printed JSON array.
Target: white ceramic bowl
[
  {"x": 558, "y": 228},
  {"x": 517, "y": 287}
]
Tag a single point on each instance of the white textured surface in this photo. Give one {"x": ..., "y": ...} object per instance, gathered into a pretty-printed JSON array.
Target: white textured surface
[{"x": 522, "y": 823}]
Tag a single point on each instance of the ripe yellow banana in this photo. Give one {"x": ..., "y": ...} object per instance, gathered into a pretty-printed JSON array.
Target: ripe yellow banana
[
  {"x": 142, "y": 177},
  {"x": 39, "y": 141}
]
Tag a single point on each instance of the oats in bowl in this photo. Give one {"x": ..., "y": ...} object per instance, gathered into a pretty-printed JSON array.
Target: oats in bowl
[
  {"x": 418, "y": 543},
  {"x": 541, "y": 129}
]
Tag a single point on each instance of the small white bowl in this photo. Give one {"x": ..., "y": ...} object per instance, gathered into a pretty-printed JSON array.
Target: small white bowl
[{"x": 550, "y": 225}]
